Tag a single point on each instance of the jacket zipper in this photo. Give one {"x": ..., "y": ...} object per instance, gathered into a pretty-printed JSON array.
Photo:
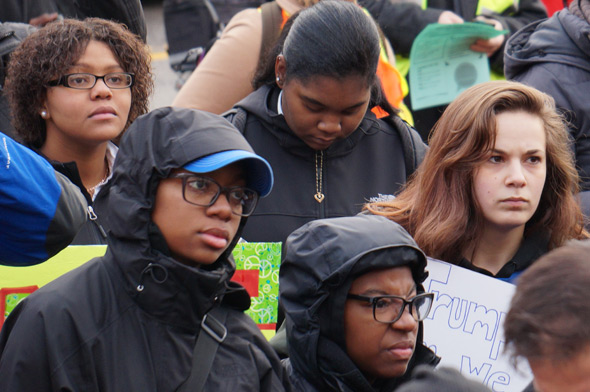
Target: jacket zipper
[{"x": 92, "y": 216}]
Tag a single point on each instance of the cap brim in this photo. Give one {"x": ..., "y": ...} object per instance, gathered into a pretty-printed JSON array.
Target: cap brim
[{"x": 259, "y": 173}]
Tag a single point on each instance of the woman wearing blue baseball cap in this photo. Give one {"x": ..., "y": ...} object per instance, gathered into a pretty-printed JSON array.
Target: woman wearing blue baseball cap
[{"x": 158, "y": 311}]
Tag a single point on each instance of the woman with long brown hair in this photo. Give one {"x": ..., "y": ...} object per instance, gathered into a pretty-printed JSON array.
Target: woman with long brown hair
[{"x": 497, "y": 188}]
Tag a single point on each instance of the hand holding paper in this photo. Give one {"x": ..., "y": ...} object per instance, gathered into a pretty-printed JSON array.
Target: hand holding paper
[
  {"x": 442, "y": 62},
  {"x": 449, "y": 17},
  {"x": 491, "y": 45}
]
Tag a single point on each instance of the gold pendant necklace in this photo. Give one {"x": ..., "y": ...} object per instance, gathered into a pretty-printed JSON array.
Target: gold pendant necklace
[{"x": 319, "y": 196}]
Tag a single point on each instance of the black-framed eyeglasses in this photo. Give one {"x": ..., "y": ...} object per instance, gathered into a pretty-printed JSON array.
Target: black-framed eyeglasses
[
  {"x": 388, "y": 309},
  {"x": 86, "y": 81},
  {"x": 204, "y": 192}
]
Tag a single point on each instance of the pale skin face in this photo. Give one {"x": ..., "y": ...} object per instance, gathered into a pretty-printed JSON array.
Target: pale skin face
[
  {"x": 194, "y": 234},
  {"x": 571, "y": 375},
  {"x": 323, "y": 109},
  {"x": 508, "y": 186},
  {"x": 80, "y": 120},
  {"x": 380, "y": 351}
]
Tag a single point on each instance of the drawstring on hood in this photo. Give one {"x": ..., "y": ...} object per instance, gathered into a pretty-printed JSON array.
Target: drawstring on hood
[{"x": 150, "y": 270}]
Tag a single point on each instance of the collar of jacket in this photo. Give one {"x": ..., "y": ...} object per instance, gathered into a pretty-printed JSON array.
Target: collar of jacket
[
  {"x": 532, "y": 247},
  {"x": 262, "y": 102},
  {"x": 172, "y": 292},
  {"x": 70, "y": 170}
]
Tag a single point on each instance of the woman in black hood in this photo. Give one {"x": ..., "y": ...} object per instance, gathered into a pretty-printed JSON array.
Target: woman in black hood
[
  {"x": 345, "y": 285},
  {"x": 183, "y": 185}
]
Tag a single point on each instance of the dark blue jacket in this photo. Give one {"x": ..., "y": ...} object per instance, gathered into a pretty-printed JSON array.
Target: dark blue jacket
[{"x": 554, "y": 57}]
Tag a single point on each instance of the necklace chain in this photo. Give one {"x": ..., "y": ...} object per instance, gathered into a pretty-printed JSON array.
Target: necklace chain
[
  {"x": 104, "y": 179},
  {"x": 319, "y": 196}
]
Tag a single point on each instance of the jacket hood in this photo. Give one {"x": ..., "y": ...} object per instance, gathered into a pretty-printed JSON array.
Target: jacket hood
[
  {"x": 261, "y": 103},
  {"x": 322, "y": 258},
  {"x": 564, "y": 38},
  {"x": 155, "y": 144}
]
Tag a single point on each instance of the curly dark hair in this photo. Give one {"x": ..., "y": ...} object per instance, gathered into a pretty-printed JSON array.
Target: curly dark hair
[{"x": 51, "y": 51}]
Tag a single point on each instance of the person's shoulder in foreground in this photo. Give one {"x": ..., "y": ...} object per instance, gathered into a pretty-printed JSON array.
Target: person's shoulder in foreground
[
  {"x": 548, "y": 323},
  {"x": 40, "y": 210},
  {"x": 441, "y": 379}
]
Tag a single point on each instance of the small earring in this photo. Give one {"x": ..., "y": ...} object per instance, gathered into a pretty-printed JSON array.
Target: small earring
[
  {"x": 43, "y": 114},
  {"x": 278, "y": 79}
]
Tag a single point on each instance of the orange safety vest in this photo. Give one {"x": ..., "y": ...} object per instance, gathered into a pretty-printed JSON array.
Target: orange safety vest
[{"x": 391, "y": 80}]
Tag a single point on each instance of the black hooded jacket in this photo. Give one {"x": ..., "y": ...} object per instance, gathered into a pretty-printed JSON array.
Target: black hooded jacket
[
  {"x": 554, "y": 56},
  {"x": 322, "y": 259},
  {"x": 129, "y": 321},
  {"x": 367, "y": 164}
]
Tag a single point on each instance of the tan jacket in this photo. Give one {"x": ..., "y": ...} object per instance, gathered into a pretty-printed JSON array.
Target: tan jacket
[{"x": 224, "y": 76}]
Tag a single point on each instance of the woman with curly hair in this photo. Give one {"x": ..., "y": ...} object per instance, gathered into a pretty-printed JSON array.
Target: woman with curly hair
[
  {"x": 74, "y": 87},
  {"x": 497, "y": 188}
]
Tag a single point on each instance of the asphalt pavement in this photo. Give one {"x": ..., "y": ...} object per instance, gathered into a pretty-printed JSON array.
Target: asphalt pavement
[{"x": 164, "y": 77}]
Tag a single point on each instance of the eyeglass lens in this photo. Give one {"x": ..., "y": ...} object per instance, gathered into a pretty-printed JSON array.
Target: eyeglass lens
[
  {"x": 86, "y": 80},
  {"x": 204, "y": 192},
  {"x": 390, "y": 309}
]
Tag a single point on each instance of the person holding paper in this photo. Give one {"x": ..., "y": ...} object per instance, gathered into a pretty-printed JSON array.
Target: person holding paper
[
  {"x": 402, "y": 23},
  {"x": 548, "y": 323},
  {"x": 354, "y": 305},
  {"x": 497, "y": 188},
  {"x": 158, "y": 311}
]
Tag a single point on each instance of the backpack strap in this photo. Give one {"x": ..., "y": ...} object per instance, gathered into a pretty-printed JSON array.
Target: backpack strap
[
  {"x": 413, "y": 147},
  {"x": 237, "y": 116},
  {"x": 272, "y": 19},
  {"x": 213, "y": 13},
  {"x": 212, "y": 334},
  {"x": 412, "y": 144}
]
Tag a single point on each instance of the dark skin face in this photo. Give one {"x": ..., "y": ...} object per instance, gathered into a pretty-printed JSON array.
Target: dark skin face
[
  {"x": 381, "y": 351},
  {"x": 322, "y": 109},
  {"x": 195, "y": 234}
]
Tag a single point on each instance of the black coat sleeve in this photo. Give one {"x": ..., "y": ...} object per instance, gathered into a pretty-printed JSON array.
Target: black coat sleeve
[{"x": 400, "y": 22}]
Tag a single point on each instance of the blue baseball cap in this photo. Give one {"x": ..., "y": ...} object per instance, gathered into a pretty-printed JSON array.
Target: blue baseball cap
[{"x": 258, "y": 171}]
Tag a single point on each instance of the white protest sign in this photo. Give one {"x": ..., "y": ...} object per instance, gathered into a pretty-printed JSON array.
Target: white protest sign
[{"x": 465, "y": 326}]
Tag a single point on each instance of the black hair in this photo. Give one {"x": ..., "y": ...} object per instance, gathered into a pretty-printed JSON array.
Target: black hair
[{"x": 331, "y": 38}]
